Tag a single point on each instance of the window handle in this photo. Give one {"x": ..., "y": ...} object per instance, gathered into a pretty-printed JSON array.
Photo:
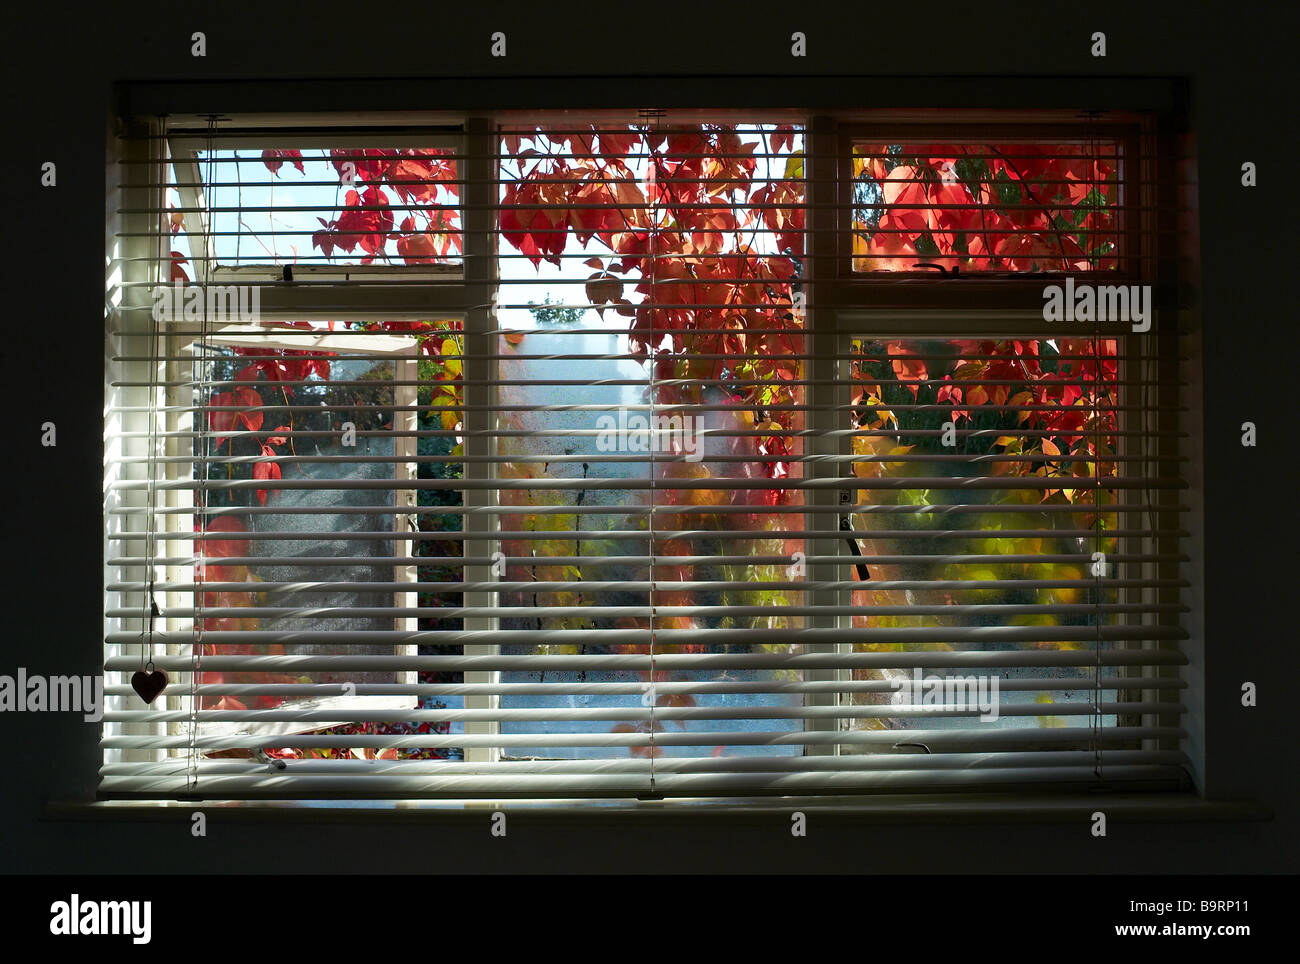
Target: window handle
[
  {"x": 263, "y": 757},
  {"x": 845, "y": 526}
]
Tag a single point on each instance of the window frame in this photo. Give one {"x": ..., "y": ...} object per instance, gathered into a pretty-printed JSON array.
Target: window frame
[
  {"x": 926, "y": 289},
  {"x": 183, "y": 147},
  {"x": 927, "y": 324},
  {"x": 837, "y": 298},
  {"x": 404, "y": 351}
]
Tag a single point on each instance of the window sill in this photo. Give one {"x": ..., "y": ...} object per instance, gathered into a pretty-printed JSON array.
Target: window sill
[{"x": 884, "y": 809}]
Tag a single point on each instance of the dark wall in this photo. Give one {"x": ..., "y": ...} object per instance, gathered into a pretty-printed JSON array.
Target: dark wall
[{"x": 63, "y": 62}]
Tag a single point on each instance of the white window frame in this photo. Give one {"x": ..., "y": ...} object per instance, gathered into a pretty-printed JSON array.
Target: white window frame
[
  {"x": 835, "y": 309},
  {"x": 404, "y": 350},
  {"x": 142, "y": 252},
  {"x": 930, "y": 324},
  {"x": 184, "y": 152}
]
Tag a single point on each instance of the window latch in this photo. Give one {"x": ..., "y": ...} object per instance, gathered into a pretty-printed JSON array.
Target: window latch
[
  {"x": 264, "y": 757},
  {"x": 953, "y": 272}
]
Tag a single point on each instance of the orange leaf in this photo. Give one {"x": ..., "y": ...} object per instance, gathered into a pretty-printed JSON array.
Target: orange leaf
[{"x": 906, "y": 369}]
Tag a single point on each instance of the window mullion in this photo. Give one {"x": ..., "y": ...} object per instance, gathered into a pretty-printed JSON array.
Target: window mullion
[
  {"x": 822, "y": 340},
  {"x": 479, "y": 373},
  {"x": 406, "y": 421}
]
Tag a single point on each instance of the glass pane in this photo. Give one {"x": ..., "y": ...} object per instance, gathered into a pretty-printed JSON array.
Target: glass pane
[
  {"x": 256, "y": 411},
  {"x": 564, "y": 523},
  {"x": 909, "y": 397},
  {"x": 276, "y": 415},
  {"x": 342, "y": 206},
  {"x": 666, "y": 225},
  {"x": 977, "y": 207}
]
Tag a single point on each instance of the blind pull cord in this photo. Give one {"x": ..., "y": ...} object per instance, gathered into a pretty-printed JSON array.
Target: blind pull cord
[{"x": 149, "y": 681}]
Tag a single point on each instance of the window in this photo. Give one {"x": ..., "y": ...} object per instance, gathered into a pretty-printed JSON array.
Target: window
[
  {"x": 641, "y": 455},
  {"x": 1040, "y": 205},
  {"x": 255, "y": 200}
]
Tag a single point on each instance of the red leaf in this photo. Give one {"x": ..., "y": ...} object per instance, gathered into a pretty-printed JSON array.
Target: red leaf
[
  {"x": 226, "y": 548},
  {"x": 371, "y": 164},
  {"x": 273, "y": 160},
  {"x": 265, "y": 470},
  {"x": 614, "y": 144},
  {"x": 369, "y": 229},
  {"x": 416, "y": 248},
  {"x": 223, "y": 423}
]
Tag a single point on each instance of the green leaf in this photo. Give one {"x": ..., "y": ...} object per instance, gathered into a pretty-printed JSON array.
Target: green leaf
[{"x": 794, "y": 166}]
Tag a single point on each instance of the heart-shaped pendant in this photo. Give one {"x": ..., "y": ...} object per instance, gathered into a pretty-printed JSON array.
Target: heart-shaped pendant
[{"x": 148, "y": 685}]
